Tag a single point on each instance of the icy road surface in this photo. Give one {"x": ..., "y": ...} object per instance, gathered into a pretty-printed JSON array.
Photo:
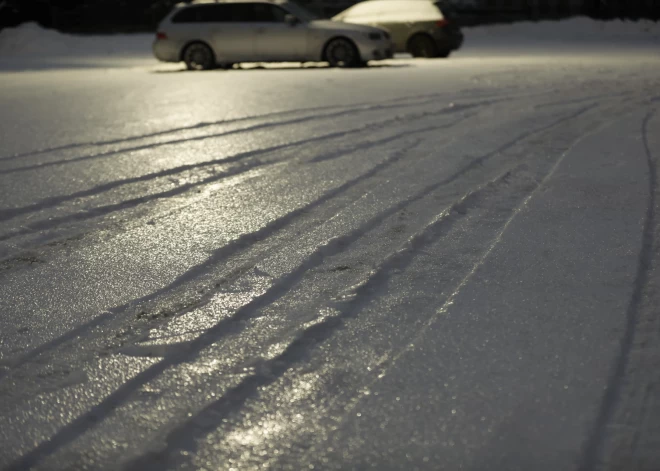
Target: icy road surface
[{"x": 433, "y": 265}]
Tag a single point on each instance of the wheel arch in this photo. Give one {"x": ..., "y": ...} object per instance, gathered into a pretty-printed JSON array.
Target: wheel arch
[
  {"x": 195, "y": 41},
  {"x": 417, "y": 34},
  {"x": 324, "y": 56}
]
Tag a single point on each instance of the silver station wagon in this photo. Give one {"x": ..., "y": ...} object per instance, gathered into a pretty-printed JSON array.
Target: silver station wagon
[{"x": 205, "y": 35}]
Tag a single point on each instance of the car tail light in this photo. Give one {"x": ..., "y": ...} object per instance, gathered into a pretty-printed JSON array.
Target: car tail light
[
  {"x": 161, "y": 35},
  {"x": 441, "y": 23}
]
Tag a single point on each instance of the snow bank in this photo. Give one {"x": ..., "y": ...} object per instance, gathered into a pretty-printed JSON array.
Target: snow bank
[
  {"x": 574, "y": 30},
  {"x": 31, "y": 46},
  {"x": 32, "y": 39}
]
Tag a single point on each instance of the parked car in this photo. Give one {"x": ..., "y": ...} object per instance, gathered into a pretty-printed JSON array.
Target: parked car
[
  {"x": 225, "y": 32},
  {"x": 417, "y": 26}
]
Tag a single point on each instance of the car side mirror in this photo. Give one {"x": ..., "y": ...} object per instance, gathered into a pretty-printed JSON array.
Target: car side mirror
[{"x": 291, "y": 20}]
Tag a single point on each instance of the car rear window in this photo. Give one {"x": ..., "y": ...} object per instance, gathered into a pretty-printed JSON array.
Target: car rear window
[
  {"x": 446, "y": 9},
  {"x": 393, "y": 11}
]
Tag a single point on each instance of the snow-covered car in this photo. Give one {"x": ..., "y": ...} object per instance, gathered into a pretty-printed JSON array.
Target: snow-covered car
[
  {"x": 221, "y": 33},
  {"x": 418, "y": 27}
]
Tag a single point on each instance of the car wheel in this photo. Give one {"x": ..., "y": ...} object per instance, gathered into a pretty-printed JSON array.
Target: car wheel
[
  {"x": 198, "y": 56},
  {"x": 422, "y": 46},
  {"x": 342, "y": 52}
]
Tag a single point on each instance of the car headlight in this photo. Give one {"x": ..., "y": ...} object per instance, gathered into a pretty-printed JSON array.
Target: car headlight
[{"x": 374, "y": 36}]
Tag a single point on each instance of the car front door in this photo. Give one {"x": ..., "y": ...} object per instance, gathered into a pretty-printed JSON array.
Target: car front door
[{"x": 276, "y": 39}]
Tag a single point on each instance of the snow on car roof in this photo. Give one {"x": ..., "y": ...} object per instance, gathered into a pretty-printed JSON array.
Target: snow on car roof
[{"x": 392, "y": 11}]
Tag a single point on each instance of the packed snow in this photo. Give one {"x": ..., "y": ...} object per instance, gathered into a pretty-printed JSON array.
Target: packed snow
[{"x": 423, "y": 264}]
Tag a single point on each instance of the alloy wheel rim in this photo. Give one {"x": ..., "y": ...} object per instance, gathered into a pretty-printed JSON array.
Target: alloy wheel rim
[{"x": 341, "y": 52}]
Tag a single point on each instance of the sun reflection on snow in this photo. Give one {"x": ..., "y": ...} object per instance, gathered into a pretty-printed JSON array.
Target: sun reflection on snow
[{"x": 257, "y": 437}]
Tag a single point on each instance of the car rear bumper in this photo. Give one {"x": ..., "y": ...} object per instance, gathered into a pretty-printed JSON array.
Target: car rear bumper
[
  {"x": 166, "y": 50},
  {"x": 449, "y": 40}
]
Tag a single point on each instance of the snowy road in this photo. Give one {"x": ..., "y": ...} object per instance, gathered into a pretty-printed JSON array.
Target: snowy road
[{"x": 420, "y": 265}]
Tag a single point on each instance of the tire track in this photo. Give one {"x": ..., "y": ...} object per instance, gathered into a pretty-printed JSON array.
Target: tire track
[
  {"x": 360, "y": 298},
  {"x": 72, "y": 334},
  {"x": 107, "y": 209},
  {"x": 575, "y": 101},
  {"x": 230, "y": 325},
  {"x": 234, "y": 247},
  {"x": 214, "y": 415},
  {"x": 7, "y": 214},
  {"x": 245, "y": 240},
  {"x": 251, "y": 310},
  {"x": 183, "y": 140},
  {"x": 389, "y": 361},
  {"x": 596, "y": 456},
  {"x": 479, "y": 161},
  {"x": 205, "y": 124},
  {"x": 55, "y": 222}
]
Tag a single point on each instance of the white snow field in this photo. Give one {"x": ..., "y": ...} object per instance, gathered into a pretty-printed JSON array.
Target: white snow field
[{"x": 435, "y": 265}]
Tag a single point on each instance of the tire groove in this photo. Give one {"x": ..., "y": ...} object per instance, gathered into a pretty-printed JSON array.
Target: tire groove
[
  {"x": 236, "y": 322},
  {"x": 214, "y": 414},
  {"x": 156, "y": 145},
  {"x": 246, "y": 239},
  {"x": 204, "y": 124},
  {"x": 239, "y": 244},
  {"x": 592, "y": 457},
  {"x": 7, "y": 214}
]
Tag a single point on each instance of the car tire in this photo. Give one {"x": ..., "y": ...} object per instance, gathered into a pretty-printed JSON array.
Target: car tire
[
  {"x": 341, "y": 52},
  {"x": 198, "y": 56},
  {"x": 422, "y": 45}
]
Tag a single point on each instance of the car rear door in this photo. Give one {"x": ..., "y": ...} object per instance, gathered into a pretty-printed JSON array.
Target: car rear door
[
  {"x": 277, "y": 40},
  {"x": 232, "y": 33}
]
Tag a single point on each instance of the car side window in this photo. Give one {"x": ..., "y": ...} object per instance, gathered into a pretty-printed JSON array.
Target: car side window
[
  {"x": 266, "y": 13},
  {"x": 243, "y": 13},
  {"x": 220, "y": 13},
  {"x": 232, "y": 12},
  {"x": 278, "y": 13}
]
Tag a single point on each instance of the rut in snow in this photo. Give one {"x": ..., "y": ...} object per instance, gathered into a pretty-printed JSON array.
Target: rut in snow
[
  {"x": 7, "y": 214},
  {"x": 629, "y": 402},
  {"x": 245, "y": 240},
  {"x": 359, "y": 107},
  {"x": 508, "y": 186},
  {"x": 234, "y": 324}
]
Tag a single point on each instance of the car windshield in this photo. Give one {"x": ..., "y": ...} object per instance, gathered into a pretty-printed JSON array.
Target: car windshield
[{"x": 300, "y": 12}]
